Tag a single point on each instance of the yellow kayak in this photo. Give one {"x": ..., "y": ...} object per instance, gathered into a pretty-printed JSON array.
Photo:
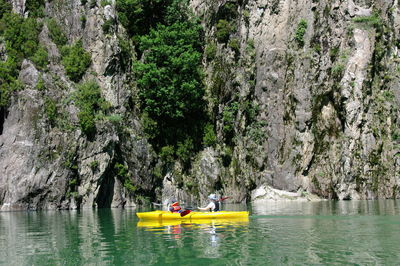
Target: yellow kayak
[{"x": 165, "y": 215}]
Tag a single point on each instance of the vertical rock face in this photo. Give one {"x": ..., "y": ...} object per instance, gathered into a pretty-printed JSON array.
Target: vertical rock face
[
  {"x": 303, "y": 94},
  {"x": 327, "y": 97},
  {"x": 57, "y": 166}
]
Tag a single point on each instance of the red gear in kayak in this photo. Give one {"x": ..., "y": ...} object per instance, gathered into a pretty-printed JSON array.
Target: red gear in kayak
[{"x": 175, "y": 208}]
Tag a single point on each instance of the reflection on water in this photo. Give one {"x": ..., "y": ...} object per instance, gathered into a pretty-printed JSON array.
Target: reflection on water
[{"x": 300, "y": 233}]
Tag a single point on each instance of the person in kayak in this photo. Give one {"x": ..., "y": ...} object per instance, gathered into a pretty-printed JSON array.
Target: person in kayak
[
  {"x": 175, "y": 208},
  {"x": 213, "y": 206}
]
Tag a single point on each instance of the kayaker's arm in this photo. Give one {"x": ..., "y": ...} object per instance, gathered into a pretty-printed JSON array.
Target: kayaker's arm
[{"x": 208, "y": 207}]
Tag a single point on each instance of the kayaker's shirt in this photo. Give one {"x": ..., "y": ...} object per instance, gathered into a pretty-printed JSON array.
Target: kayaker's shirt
[{"x": 212, "y": 206}]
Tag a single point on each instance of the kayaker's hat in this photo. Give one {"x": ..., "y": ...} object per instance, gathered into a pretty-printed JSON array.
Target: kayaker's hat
[{"x": 212, "y": 197}]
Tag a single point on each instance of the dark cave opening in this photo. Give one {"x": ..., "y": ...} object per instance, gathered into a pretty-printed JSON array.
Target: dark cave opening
[{"x": 106, "y": 192}]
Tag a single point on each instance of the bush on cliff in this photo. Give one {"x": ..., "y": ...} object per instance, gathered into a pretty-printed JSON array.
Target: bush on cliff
[{"x": 75, "y": 60}]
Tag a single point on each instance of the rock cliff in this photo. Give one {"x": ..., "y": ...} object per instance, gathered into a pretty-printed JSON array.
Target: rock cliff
[{"x": 303, "y": 97}]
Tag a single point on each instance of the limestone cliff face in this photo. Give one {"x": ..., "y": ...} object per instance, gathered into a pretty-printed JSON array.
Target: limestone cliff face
[
  {"x": 327, "y": 97},
  {"x": 45, "y": 166},
  {"x": 304, "y": 96}
]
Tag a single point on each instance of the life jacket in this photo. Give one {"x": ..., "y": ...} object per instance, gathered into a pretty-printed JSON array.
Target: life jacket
[
  {"x": 216, "y": 209},
  {"x": 175, "y": 207}
]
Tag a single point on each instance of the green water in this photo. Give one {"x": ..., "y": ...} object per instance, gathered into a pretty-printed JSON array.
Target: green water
[{"x": 351, "y": 232}]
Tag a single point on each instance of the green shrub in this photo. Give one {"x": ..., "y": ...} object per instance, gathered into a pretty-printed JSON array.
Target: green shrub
[
  {"x": 56, "y": 34},
  {"x": 21, "y": 41},
  {"x": 139, "y": 16},
  {"x": 40, "y": 86},
  {"x": 121, "y": 171},
  {"x": 170, "y": 81},
  {"x": 115, "y": 119},
  {"x": 167, "y": 154},
  {"x": 184, "y": 150},
  {"x": 6, "y": 89},
  {"x": 129, "y": 186},
  {"x": 89, "y": 101},
  {"x": 229, "y": 117},
  {"x": 224, "y": 29},
  {"x": 50, "y": 108},
  {"x": 5, "y": 7},
  {"x": 75, "y": 60},
  {"x": 229, "y": 11},
  {"x": 83, "y": 2},
  {"x": 300, "y": 32},
  {"x": 83, "y": 21},
  {"x": 108, "y": 26},
  {"x": 373, "y": 20},
  {"x": 234, "y": 45},
  {"x": 104, "y": 3},
  {"x": 209, "y": 138},
  {"x": 150, "y": 126},
  {"x": 211, "y": 51},
  {"x": 35, "y": 7},
  {"x": 40, "y": 58},
  {"x": 21, "y": 36}
]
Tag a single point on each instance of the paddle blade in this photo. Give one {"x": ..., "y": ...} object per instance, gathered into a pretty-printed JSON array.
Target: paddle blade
[
  {"x": 223, "y": 198},
  {"x": 185, "y": 212}
]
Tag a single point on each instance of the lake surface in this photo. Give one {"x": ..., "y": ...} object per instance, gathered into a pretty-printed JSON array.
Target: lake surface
[{"x": 289, "y": 233}]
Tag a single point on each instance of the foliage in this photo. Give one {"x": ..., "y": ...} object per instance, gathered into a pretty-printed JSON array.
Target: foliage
[
  {"x": 35, "y": 7},
  {"x": 56, "y": 33},
  {"x": 234, "y": 45},
  {"x": 373, "y": 20},
  {"x": 104, "y": 3},
  {"x": 75, "y": 60},
  {"x": 50, "y": 108},
  {"x": 121, "y": 171},
  {"x": 83, "y": 21},
  {"x": 300, "y": 32},
  {"x": 167, "y": 154},
  {"x": 170, "y": 81},
  {"x": 40, "y": 58},
  {"x": 40, "y": 86},
  {"x": 108, "y": 26},
  {"x": 139, "y": 16},
  {"x": 211, "y": 51},
  {"x": 209, "y": 138},
  {"x": 229, "y": 116},
  {"x": 229, "y": 11},
  {"x": 115, "y": 119},
  {"x": 89, "y": 100},
  {"x": 150, "y": 126},
  {"x": 129, "y": 186},
  {"x": 83, "y": 2},
  {"x": 5, "y": 7},
  {"x": 224, "y": 29},
  {"x": 21, "y": 38},
  {"x": 184, "y": 151}
]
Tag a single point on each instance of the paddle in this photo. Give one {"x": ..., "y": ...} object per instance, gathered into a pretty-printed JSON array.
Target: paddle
[
  {"x": 223, "y": 198},
  {"x": 185, "y": 212}
]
